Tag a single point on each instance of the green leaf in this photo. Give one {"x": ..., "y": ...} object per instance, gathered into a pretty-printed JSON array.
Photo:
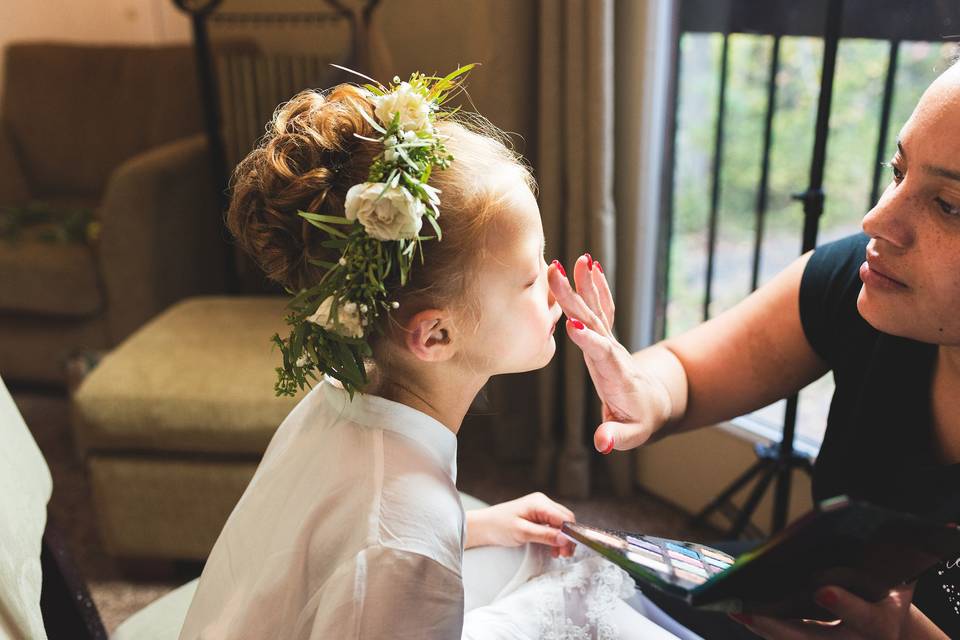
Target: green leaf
[
  {"x": 319, "y": 217},
  {"x": 370, "y": 120},
  {"x": 436, "y": 226},
  {"x": 328, "y": 228},
  {"x": 323, "y": 263}
]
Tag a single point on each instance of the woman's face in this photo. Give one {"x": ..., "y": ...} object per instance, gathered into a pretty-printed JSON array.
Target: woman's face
[
  {"x": 911, "y": 277},
  {"x": 518, "y": 313}
]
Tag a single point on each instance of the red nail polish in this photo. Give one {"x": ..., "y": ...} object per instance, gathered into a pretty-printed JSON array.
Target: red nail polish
[
  {"x": 826, "y": 598},
  {"x": 609, "y": 447},
  {"x": 560, "y": 268},
  {"x": 596, "y": 263},
  {"x": 576, "y": 324},
  {"x": 589, "y": 261}
]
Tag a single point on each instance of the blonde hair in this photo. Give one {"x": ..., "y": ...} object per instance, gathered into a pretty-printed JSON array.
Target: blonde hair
[{"x": 309, "y": 158}]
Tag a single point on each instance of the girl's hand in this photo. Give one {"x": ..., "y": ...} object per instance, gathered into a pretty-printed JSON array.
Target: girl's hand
[
  {"x": 532, "y": 518},
  {"x": 893, "y": 618},
  {"x": 635, "y": 404}
]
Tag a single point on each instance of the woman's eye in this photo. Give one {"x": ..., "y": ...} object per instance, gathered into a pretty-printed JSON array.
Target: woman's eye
[
  {"x": 949, "y": 209},
  {"x": 897, "y": 173}
]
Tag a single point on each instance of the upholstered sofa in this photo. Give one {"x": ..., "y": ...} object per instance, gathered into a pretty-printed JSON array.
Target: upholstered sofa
[{"x": 115, "y": 130}]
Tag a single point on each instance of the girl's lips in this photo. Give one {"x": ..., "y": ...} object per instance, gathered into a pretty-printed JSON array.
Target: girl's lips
[{"x": 873, "y": 278}]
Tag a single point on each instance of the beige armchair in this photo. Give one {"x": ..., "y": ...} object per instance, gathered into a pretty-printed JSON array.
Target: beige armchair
[{"x": 114, "y": 129}]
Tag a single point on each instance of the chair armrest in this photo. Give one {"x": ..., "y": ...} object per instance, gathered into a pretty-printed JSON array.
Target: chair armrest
[
  {"x": 13, "y": 184},
  {"x": 162, "y": 236}
]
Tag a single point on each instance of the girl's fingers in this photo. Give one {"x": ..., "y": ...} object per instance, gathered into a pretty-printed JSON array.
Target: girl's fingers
[
  {"x": 541, "y": 534},
  {"x": 570, "y": 301}
]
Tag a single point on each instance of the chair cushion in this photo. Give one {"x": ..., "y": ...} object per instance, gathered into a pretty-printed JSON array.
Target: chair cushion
[
  {"x": 197, "y": 378},
  {"x": 25, "y": 487},
  {"x": 48, "y": 279}
]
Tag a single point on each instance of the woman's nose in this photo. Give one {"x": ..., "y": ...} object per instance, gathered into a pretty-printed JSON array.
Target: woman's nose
[{"x": 892, "y": 218}]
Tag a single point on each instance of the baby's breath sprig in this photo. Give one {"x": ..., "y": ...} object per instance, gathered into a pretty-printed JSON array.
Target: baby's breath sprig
[{"x": 379, "y": 235}]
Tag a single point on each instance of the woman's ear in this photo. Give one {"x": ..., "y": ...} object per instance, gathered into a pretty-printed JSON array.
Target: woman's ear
[{"x": 428, "y": 335}]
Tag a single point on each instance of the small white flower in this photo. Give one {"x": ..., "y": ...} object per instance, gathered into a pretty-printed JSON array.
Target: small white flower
[
  {"x": 363, "y": 308},
  {"x": 410, "y": 136},
  {"x": 413, "y": 108},
  {"x": 389, "y": 154},
  {"x": 342, "y": 262},
  {"x": 350, "y": 321},
  {"x": 386, "y": 213},
  {"x": 394, "y": 305},
  {"x": 303, "y": 360}
]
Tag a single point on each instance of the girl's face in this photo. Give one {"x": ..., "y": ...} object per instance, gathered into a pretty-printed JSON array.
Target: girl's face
[
  {"x": 912, "y": 271},
  {"x": 518, "y": 314}
]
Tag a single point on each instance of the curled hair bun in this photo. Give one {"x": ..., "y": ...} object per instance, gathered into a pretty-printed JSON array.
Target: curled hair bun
[{"x": 307, "y": 161}]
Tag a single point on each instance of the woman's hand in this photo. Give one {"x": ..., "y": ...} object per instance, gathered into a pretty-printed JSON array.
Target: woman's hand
[
  {"x": 532, "y": 518},
  {"x": 635, "y": 403},
  {"x": 893, "y": 618}
]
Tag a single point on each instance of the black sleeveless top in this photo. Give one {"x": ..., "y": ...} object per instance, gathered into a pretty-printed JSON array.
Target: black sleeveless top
[{"x": 879, "y": 443}]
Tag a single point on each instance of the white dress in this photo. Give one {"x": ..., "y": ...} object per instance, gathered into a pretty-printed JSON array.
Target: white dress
[{"x": 352, "y": 527}]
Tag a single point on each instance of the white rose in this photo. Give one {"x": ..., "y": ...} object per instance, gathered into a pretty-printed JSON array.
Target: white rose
[
  {"x": 348, "y": 315},
  {"x": 414, "y": 110},
  {"x": 394, "y": 215}
]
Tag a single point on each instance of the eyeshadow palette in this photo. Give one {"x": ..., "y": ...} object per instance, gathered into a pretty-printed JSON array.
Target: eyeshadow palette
[{"x": 855, "y": 545}]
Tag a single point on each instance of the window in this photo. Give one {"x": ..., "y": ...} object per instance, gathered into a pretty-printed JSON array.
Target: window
[{"x": 718, "y": 161}]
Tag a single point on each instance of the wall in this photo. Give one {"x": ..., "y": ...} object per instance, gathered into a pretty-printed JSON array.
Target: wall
[
  {"x": 690, "y": 469},
  {"x": 92, "y": 21}
]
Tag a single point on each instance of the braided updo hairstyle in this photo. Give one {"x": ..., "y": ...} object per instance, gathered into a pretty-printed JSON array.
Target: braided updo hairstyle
[{"x": 309, "y": 159}]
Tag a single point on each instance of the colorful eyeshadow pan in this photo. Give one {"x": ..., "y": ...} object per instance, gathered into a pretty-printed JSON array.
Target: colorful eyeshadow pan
[
  {"x": 716, "y": 555},
  {"x": 690, "y": 577},
  {"x": 683, "y": 550},
  {"x": 719, "y": 564},
  {"x": 645, "y": 560},
  {"x": 683, "y": 566},
  {"x": 643, "y": 544},
  {"x": 604, "y": 538}
]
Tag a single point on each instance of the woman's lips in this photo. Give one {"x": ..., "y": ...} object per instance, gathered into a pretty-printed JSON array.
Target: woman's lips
[{"x": 873, "y": 278}]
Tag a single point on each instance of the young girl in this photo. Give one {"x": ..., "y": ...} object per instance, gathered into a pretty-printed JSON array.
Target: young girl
[{"x": 352, "y": 526}]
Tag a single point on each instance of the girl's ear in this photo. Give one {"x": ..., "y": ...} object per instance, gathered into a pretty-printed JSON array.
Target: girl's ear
[{"x": 428, "y": 336}]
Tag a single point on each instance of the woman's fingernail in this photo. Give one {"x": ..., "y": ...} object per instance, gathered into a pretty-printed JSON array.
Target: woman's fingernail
[
  {"x": 560, "y": 268},
  {"x": 576, "y": 324},
  {"x": 589, "y": 260},
  {"x": 596, "y": 263},
  {"x": 609, "y": 447},
  {"x": 826, "y": 598}
]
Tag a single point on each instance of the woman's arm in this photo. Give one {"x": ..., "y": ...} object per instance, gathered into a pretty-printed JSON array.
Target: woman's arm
[
  {"x": 747, "y": 357},
  {"x": 744, "y": 359}
]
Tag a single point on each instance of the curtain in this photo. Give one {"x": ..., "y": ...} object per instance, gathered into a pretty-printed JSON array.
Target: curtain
[{"x": 600, "y": 125}]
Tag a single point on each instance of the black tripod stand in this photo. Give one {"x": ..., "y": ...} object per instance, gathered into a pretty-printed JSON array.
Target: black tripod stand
[{"x": 778, "y": 460}]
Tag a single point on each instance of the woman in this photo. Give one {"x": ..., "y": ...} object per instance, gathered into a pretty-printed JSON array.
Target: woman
[{"x": 881, "y": 311}]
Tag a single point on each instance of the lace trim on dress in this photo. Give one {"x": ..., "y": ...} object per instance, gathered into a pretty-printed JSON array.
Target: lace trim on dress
[{"x": 579, "y": 594}]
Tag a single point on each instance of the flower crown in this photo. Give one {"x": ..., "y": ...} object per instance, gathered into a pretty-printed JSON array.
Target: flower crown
[{"x": 379, "y": 235}]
